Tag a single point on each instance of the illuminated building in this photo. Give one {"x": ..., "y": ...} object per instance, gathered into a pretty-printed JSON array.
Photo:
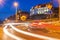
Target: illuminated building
[
  {"x": 41, "y": 9},
  {"x": 22, "y": 15}
]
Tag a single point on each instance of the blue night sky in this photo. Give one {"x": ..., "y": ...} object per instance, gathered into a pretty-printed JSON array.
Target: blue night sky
[{"x": 8, "y": 9}]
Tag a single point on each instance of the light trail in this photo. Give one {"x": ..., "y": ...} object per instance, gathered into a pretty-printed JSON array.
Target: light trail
[
  {"x": 15, "y": 23},
  {"x": 30, "y": 34},
  {"x": 11, "y": 35}
]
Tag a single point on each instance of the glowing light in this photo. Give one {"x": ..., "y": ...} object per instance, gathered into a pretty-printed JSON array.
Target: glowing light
[
  {"x": 15, "y": 4},
  {"x": 2, "y": 2},
  {"x": 11, "y": 35},
  {"x": 30, "y": 34}
]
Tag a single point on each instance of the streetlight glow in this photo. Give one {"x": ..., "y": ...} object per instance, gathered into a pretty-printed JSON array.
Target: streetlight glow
[
  {"x": 15, "y": 4},
  {"x": 2, "y": 2}
]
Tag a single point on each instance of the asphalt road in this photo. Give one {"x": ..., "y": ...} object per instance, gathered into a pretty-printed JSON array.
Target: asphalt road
[{"x": 19, "y": 31}]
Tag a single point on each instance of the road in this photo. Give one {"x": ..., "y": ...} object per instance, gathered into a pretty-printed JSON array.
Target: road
[{"x": 20, "y": 31}]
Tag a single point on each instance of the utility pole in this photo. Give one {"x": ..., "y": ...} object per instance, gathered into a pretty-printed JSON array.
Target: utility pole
[
  {"x": 16, "y": 5},
  {"x": 59, "y": 9}
]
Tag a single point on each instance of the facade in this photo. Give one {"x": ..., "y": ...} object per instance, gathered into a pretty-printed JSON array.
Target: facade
[
  {"x": 41, "y": 11},
  {"x": 22, "y": 15}
]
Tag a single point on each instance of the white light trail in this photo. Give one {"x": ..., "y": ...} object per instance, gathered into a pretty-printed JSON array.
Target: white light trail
[
  {"x": 11, "y": 35},
  {"x": 30, "y": 34},
  {"x": 16, "y": 24}
]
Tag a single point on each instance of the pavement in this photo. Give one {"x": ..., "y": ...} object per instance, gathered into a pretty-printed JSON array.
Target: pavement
[{"x": 20, "y": 32}]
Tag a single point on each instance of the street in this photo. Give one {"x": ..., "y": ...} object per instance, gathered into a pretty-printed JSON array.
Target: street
[
  {"x": 20, "y": 31},
  {"x": 29, "y": 20}
]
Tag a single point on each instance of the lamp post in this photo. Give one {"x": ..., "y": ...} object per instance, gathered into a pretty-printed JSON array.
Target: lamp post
[
  {"x": 16, "y": 5},
  {"x": 59, "y": 9},
  {"x": 19, "y": 13}
]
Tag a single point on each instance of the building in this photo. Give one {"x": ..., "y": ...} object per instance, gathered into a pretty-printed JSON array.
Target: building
[
  {"x": 43, "y": 10},
  {"x": 22, "y": 15}
]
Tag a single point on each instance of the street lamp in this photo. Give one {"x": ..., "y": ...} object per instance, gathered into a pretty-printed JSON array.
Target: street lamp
[
  {"x": 16, "y": 5},
  {"x": 59, "y": 9}
]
